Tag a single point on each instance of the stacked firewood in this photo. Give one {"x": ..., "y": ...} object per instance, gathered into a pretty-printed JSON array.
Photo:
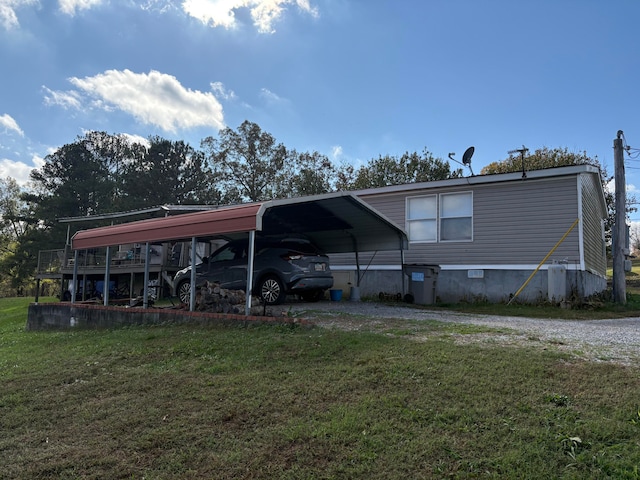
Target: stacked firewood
[{"x": 213, "y": 298}]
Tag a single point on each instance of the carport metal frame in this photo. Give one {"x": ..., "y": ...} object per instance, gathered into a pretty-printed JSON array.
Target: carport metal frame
[{"x": 337, "y": 222}]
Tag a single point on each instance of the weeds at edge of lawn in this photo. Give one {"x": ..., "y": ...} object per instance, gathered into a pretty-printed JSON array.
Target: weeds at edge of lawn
[
  {"x": 269, "y": 402},
  {"x": 596, "y": 310}
]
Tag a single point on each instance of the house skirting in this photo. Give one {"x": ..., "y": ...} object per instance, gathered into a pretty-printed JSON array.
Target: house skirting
[{"x": 471, "y": 284}]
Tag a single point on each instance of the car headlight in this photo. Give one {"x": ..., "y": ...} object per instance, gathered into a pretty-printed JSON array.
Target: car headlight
[{"x": 179, "y": 273}]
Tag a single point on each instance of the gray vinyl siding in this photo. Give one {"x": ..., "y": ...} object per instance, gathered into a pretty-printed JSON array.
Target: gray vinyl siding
[
  {"x": 592, "y": 212},
  {"x": 514, "y": 223}
]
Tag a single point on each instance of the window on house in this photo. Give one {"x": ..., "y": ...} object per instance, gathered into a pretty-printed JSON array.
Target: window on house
[
  {"x": 447, "y": 217},
  {"x": 422, "y": 217},
  {"x": 456, "y": 215}
]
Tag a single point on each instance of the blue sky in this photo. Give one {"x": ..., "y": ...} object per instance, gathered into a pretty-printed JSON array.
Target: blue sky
[{"x": 352, "y": 79}]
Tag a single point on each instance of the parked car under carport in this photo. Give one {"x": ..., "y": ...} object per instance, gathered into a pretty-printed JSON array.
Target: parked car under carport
[{"x": 282, "y": 265}]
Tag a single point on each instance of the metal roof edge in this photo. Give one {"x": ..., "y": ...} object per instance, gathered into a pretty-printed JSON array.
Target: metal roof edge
[
  {"x": 484, "y": 179},
  {"x": 142, "y": 211}
]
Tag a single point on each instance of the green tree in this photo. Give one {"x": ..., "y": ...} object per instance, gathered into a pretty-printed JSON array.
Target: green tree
[
  {"x": 82, "y": 178},
  {"x": 314, "y": 174},
  {"x": 16, "y": 265},
  {"x": 634, "y": 241},
  {"x": 248, "y": 163},
  {"x": 14, "y": 213},
  {"x": 168, "y": 172},
  {"x": 345, "y": 177},
  {"x": 409, "y": 168},
  {"x": 542, "y": 158},
  {"x": 75, "y": 181},
  {"x": 116, "y": 153}
]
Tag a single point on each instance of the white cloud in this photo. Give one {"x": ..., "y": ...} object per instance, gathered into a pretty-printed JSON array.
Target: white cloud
[
  {"x": 162, "y": 6},
  {"x": 217, "y": 13},
  {"x": 38, "y": 161},
  {"x": 631, "y": 188},
  {"x": 10, "y": 124},
  {"x": 275, "y": 103},
  {"x": 336, "y": 153},
  {"x": 70, "y": 6},
  {"x": 264, "y": 13},
  {"x": 62, "y": 99},
  {"x": 271, "y": 97},
  {"x": 219, "y": 89},
  {"x": 8, "y": 16},
  {"x": 17, "y": 170},
  {"x": 137, "y": 139},
  {"x": 154, "y": 99}
]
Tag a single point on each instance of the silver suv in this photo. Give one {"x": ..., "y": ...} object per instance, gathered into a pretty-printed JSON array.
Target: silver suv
[{"x": 283, "y": 265}]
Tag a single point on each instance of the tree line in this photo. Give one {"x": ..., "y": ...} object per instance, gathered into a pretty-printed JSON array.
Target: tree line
[{"x": 102, "y": 173}]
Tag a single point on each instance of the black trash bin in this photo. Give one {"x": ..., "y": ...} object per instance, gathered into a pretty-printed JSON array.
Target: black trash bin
[{"x": 422, "y": 282}]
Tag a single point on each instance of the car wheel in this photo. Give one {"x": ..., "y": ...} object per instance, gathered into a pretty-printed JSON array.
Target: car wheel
[
  {"x": 184, "y": 291},
  {"x": 271, "y": 290},
  {"x": 312, "y": 295}
]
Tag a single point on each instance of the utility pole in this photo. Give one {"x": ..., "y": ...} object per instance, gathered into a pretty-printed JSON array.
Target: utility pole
[{"x": 620, "y": 229}]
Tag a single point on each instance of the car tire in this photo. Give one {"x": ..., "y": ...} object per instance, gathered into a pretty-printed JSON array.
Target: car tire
[
  {"x": 271, "y": 290},
  {"x": 183, "y": 291},
  {"x": 312, "y": 295}
]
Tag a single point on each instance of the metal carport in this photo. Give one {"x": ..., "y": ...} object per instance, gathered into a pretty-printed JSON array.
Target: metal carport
[{"x": 337, "y": 222}]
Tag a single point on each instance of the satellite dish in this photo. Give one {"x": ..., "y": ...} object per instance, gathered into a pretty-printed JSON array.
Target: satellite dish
[{"x": 466, "y": 158}]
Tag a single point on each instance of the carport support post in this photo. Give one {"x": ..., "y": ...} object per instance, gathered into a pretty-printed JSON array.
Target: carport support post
[
  {"x": 250, "y": 255},
  {"x": 402, "y": 279},
  {"x": 355, "y": 249},
  {"x": 192, "y": 294},
  {"x": 74, "y": 289},
  {"x": 145, "y": 294},
  {"x": 107, "y": 274}
]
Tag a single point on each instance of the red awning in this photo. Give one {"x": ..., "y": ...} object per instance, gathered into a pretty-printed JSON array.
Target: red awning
[{"x": 221, "y": 221}]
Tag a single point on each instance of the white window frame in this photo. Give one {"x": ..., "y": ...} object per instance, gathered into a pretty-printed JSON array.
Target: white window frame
[
  {"x": 409, "y": 221},
  {"x": 439, "y": 216},
  {"x": 443, "y": 216}
]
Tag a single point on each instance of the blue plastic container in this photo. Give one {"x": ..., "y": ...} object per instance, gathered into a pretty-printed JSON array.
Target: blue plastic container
[{"x": 335, "y": 295}]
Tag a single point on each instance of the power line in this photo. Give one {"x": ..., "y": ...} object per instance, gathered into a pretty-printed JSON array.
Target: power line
[{"x": 632, "y": 153}]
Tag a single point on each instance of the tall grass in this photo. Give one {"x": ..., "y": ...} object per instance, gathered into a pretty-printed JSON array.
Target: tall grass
[{"x": 178, "y": 402}]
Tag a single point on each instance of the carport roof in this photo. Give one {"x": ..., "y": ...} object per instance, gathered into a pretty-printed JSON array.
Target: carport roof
[{"x": 337, "y": 222}]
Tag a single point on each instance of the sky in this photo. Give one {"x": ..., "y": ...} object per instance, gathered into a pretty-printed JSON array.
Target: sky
[{"x": 351, "y": 79}]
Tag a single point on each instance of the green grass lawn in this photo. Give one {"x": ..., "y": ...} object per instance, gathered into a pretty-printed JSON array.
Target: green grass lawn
[{"x": 186, "y": 402}]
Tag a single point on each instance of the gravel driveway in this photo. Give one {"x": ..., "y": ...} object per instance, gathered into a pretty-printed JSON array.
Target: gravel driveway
[{"x": 616, "y": 340}]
